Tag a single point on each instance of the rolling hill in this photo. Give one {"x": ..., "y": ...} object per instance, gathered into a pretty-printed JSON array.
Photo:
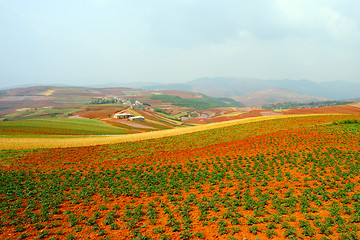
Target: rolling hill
[
  {"x": 279, "y": 178},
  {"x": 51, "y": 101},
  {"x": 251, "y": 88},
  {"x": 273, "y": 95}
]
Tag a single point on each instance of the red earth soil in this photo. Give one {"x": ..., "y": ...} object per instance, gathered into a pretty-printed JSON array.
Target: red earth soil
[
  {"x": 87, "y": 158},
  {"x": 98, "y": 111},
  {"x": 344, "y": 109}
]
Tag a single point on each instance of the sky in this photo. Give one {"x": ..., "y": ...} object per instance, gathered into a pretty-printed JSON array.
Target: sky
[{"x": 89, "y": 42}]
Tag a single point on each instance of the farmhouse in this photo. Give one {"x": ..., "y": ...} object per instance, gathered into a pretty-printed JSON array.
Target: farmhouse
[
  {"x": 137, "y": 118},
  {"x": 123, "y": 115}
]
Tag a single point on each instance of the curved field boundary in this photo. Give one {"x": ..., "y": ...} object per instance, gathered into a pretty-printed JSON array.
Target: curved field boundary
[{"x": 35, "y": 143}]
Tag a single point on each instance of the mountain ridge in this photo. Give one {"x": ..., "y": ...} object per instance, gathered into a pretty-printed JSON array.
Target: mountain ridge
[
  {"x": 253, "y": 91},
  {"x": 241, "y": 87}
]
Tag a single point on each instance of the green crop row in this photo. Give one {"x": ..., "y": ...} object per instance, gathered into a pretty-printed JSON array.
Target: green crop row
[{"x": 240, "y": 195}]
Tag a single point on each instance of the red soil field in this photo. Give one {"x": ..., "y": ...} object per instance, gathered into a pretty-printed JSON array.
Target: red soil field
[
  {"x": 97, "y": 112},
  {"x": 252, "y": 113},
  {"x": 284, "y": 179},
  {"x": 343, "y": 109}
]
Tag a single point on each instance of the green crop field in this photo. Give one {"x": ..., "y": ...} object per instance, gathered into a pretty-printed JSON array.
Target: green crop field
[
  {"x": 48, "y": 127},
  {"x": 45, "y": 112}
]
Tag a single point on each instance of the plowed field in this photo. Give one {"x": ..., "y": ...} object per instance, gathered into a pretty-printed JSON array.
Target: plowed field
[{"x": 342, "y": 109}]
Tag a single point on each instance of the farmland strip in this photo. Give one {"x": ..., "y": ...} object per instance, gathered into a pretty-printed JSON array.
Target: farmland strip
[{"x": 35, "y": 143}]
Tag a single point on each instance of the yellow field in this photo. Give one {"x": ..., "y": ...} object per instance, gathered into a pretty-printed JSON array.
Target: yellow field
[
  {"x": 33, "y": 143},
  {"x": 48, "y": 92},
  {"x": 169, "y": 120}
]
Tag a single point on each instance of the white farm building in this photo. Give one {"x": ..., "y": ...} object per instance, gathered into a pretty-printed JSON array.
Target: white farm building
[
  {"x": 123, "y": 115},
  {"x": 137, "y": 118}
]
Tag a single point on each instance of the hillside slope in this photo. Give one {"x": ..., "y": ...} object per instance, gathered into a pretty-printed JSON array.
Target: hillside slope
[
  {"x": 250, "y": 87},
  {"x": 288, "y": 178}
]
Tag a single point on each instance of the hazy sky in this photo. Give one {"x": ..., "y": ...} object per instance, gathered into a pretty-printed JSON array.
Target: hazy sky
[{"x": 82, "y": 42}]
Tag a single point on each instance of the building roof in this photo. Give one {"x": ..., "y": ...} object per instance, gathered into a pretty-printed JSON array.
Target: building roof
[
  {"x": 137, "y": 118},
  {"x": 123, "y": 114}
]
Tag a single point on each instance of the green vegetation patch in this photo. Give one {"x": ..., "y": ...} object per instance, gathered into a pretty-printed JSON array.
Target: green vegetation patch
[
  {"x": 159, "y": 110},
  {"x": 295, "y": 105},
  {"x": 205, "y": 102},
  {"x": 7, "y": 156},
  {"x": 172, "y": 117},
  {"x": 62, "y": 126},
  {"x": 45, "y": 112},
  {"x": 4, "y": 108},
  {"x": 347, "y": 126},
  {"x": 347, "y": 121}
]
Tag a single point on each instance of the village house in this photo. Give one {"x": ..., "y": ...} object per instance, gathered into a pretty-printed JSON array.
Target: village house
[
  {"x": 123, "y": 115},
  {"x": 137, "y": 118}
]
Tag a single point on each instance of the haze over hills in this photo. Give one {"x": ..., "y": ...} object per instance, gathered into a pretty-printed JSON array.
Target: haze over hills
[
  {"x": 256, "y": 92},
  {"x": 274, "y": 95}
]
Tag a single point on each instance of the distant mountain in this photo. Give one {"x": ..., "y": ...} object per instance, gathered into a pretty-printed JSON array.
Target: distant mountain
[
  {"x": 250, "y": 91},
  {"x": 135, "y": 85},
  {"x": 250, "y": 88},
  {"x": 269, "y": 96}
]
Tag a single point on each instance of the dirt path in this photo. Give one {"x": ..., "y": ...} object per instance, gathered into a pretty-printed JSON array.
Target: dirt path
[{"x": 34, "y": 143}]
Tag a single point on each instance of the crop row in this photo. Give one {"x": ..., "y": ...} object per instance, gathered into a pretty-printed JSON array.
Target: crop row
[
  {"x": 151, "y": 147},
  {"x": 270, "y": 186}
]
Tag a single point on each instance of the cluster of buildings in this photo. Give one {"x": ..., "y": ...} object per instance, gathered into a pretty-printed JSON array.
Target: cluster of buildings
[{"x": 133, "y": 104}]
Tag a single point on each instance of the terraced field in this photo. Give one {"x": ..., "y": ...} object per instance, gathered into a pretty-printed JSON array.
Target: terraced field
[
  {"x": 32, "y": 142},
  {"x": 274, "y": 178}
]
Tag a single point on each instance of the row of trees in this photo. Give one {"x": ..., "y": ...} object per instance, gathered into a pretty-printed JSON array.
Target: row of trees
[{"x": 297, "y": 105}]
